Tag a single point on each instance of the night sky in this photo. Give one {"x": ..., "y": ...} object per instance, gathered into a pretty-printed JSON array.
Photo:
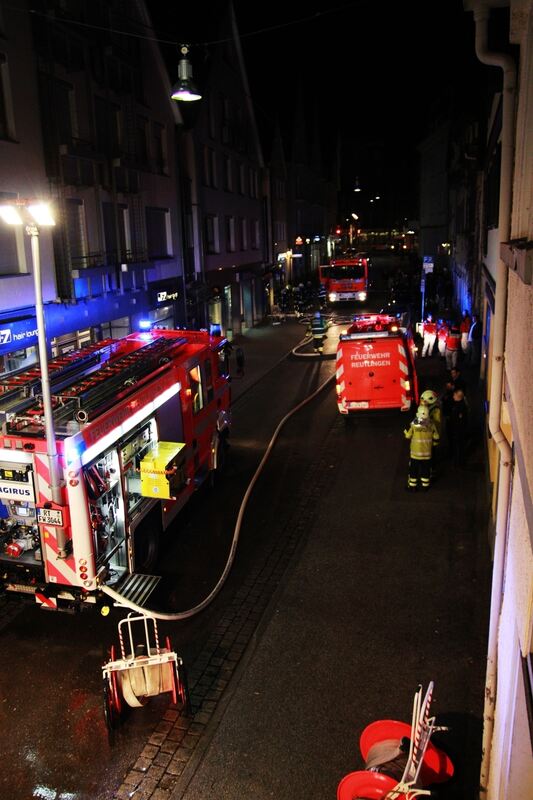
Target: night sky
[{"x": 378, "y": 74}]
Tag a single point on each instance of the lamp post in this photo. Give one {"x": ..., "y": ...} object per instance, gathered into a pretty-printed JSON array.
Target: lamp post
[{"x": 38, "y": 215}]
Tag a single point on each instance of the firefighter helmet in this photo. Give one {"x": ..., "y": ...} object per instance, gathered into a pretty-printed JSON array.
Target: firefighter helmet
[
  {"x": 428, "y": 398},
  {"x": 422, "y": 415}
]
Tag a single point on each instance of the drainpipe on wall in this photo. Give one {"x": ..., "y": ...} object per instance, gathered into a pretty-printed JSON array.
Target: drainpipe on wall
[{"x": 481, "y": 11}]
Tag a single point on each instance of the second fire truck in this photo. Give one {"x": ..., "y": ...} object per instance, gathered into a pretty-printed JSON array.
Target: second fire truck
[{"x": 139, "y": 423}]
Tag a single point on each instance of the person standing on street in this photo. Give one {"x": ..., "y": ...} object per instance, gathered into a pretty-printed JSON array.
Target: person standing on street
[
  {"x": 442, "y": 333},
  {"x": 422, "y": 434},
  {"x": 457, "y": 427},
  {"x": 429, "y": 333},
  {"x": 453, "y": 345},
  {"x": 464, "y": 329},
  {"x": 473, "y": 351},
  {"x": 318, "y": 332}
]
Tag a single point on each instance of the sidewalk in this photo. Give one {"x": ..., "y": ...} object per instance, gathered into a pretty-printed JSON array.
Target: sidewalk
[{"x": 264, "y": 347}]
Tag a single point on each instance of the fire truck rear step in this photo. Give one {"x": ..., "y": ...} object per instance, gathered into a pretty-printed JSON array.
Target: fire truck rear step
[{"x": 138, "y": 588}]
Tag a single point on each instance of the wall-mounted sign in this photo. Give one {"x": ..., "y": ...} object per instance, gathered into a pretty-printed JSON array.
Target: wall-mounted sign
[
  {"x": 164, "y": 297},
  {"x": 17, "y": 334},
  {"x": 299, "y": 240}
]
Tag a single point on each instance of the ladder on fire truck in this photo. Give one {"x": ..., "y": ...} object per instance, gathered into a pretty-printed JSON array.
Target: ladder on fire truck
[{"x": 83, "y": 384}]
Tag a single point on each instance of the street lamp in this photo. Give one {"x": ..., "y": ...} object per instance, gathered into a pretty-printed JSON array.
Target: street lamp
[
  {"x": 38, "y": 215},
  {"x": 185, "y": 89}
]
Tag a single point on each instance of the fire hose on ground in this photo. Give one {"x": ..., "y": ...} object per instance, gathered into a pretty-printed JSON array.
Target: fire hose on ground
[{"x": 191, "y": 612}]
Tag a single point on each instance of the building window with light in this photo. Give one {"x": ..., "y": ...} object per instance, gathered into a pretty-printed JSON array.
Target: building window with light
[{"x": 212, "y": 235}]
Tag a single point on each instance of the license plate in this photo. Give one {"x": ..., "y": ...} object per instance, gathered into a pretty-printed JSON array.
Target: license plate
[{"x": 359, "y": 404}]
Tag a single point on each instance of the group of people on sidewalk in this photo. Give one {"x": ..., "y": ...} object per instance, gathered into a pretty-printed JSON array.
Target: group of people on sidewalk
[
  {"x": 436, "y": 415},
  {"x": 454, "y": 339}
]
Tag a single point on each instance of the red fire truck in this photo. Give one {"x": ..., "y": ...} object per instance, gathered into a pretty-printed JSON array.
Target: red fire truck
[
  {"x": 345, "y": 278},
  {"x": 376, "y": 365},
  {"x": 138, "y": 424}
]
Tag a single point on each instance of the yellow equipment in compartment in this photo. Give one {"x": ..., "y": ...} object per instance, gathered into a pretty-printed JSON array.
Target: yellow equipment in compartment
[{"x": 163, "y": 470}]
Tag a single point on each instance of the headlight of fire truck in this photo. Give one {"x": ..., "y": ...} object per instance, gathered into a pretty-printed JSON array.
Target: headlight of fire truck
[
  {"x": 361, "y": 296},
  {"x": 332, "y": 296}
]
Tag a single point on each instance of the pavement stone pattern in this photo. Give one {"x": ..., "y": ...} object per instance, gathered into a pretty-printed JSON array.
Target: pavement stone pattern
[{"x": 175, "y": 742}]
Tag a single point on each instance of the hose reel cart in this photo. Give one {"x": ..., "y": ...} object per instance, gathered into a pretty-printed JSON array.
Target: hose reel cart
[{"x": 144, "y": 669}]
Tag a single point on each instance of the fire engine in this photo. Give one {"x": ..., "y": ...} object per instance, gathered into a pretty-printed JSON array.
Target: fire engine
[
  {"x": 345, "y": 278},
  {"x": 376, "y": 364},
  {"x": 138, "y": 423}
]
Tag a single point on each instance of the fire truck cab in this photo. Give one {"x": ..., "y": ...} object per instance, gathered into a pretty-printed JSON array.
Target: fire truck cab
[
  {"x": 345, "y": 278},
  {"x": 139, "y": 423},
  {"x": 376, "y": 365}
]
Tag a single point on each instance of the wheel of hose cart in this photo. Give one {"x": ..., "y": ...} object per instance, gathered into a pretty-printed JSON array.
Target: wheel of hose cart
[
  {"x": 112, "y": 701},
  {"x": 180, "y": 689},
  {"x": 365, "y": 785}
]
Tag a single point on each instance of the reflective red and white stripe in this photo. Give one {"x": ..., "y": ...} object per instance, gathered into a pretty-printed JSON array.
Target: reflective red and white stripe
[
  {"x": 339, "y": 374},
  {"x": 402, "y": 363}
]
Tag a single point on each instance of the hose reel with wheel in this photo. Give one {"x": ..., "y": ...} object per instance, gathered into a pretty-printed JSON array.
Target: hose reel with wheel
[{"x": 144, "y": 669}]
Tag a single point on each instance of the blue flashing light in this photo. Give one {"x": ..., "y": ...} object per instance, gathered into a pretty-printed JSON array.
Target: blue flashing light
[
  {"x": 145, "y": 324},
  {"x": 73, "y": 451}
]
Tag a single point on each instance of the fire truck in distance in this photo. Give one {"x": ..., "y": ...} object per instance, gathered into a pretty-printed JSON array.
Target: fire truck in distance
[
  {"x": 140, "y": 423},
  {"x": 376, "y": 364},
  {"x": 345, "y": 278}
]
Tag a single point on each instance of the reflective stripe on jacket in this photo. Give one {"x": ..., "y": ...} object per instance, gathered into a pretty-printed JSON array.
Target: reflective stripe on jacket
[{"x": 422, "y": 437}]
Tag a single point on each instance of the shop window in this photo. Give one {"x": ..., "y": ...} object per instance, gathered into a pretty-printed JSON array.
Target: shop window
[{"x": 197, "y": 393}]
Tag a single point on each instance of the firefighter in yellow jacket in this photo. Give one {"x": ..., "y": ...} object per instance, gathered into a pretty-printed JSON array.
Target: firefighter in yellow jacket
[{"x": 423, "y": 434}]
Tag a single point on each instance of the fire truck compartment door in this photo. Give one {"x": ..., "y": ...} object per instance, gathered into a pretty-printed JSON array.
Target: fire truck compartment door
[
  {"x": 163, "y": 470},
  {"x": 374, "y": 376}
]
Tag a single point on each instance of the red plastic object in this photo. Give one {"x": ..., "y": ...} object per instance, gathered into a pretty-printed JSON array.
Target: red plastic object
[
  {"x": 437, "y": 767},
  {"x": 368, "y": 785}
]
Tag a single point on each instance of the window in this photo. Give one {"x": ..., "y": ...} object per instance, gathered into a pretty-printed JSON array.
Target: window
[
  {"x": 12, "y": 249},
  {"x": 227, "y": 136},
  {"x": 255, "y": 234},
  {"x": 141, "y": 140},
  {"x": 211, "y": 118},
  {"x": 212, "y": 234},
  {"x": 7, "y": 121},
  {"x": 160, "y": 148},
  {"x": 108, "y": 128},
  {"x": 254, "y": 192},
  {"x": 116, "y": 224},
  {"x": 210, "y": 167},
  {"x": 243, "y": 233},
  {"x": 76, "y": 232},
  {"x": 230, "y": 234},
  {"x": 195, "y": 384},
  {"x": 208, "y": 381},
  {"x": 158, "y": 238},
  {"x": 242, "y": 179},
  {"x": 228, "y": 174}
]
